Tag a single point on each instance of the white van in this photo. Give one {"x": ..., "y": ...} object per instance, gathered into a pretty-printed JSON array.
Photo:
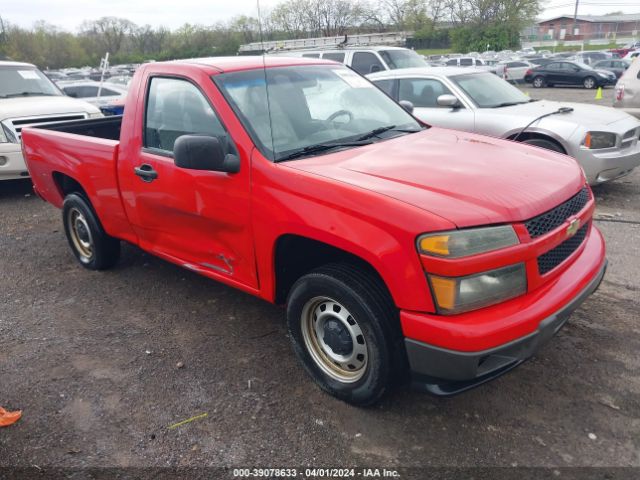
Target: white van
[
  {"x": 27, "y": 98},
  {"x": 365, "y": 60}
]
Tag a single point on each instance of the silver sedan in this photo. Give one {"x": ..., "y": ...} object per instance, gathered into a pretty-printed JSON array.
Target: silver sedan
[{"x": 603, "y": 140}]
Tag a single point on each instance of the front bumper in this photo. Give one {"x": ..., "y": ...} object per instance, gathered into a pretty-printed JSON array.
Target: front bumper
[
  {"x": 442, "y": 370},
  {"x": 604, "y": 166},
  {"x": 12, "y": 164}
]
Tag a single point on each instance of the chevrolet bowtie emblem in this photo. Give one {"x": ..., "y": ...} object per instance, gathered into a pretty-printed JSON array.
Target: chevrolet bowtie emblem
[{"x": 573, "y": 227}]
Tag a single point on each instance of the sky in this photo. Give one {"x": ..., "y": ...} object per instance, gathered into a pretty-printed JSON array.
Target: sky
[{"x": 69, "y": 14}]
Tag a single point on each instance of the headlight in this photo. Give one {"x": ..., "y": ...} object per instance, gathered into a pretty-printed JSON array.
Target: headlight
[
  {"x": 597, "y": 140},
  {"x": 462, "y": 243},
  {"x": 461, "y": 294},
  {"x": 96, "y": 115}
]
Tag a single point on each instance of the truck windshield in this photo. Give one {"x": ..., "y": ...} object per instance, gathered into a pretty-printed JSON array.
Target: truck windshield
[
  {"x": 18, "y": 81},
  {"x": 402, "y": 59},
  {"x": 310, "y": 109},
  {"x": 489, "y": 91}
]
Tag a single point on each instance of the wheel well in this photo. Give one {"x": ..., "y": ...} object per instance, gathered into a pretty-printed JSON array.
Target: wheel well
[
  {"x": 67, "y": 185},
  {"x": 296, "y": 255},
  {"x": 531, "y": 135}
]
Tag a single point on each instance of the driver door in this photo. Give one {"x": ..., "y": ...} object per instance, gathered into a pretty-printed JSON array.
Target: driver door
[
  {"x": 423, "y": 93},
  {"x": 197, "y": 218}
]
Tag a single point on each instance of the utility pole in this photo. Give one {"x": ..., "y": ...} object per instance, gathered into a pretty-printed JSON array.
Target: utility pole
[{"x": 575, "y": 18}]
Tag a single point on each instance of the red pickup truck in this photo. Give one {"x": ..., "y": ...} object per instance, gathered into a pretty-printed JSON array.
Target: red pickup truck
[{"x": 397, "y": 248}]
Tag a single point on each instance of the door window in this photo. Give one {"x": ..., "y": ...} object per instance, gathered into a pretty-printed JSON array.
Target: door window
[
  {"x": 466, "y": 62},
  {"x": 385, "y": 85},
  {"x": 311, "y": 55},
  {"x": 335, "y": 56},
  {"x": 554, "y": 67},
  {"x": 176, "y": 108},
  {"x": 453, "y": 62},
  {"x": 366, "y": 62},
  {"x": 422, "y": 92}
]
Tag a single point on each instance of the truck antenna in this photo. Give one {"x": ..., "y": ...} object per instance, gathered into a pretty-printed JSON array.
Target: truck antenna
[{"x": 266, "y": 82}]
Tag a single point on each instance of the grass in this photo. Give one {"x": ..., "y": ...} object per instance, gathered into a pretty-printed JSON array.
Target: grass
[
  {"x": 435, "y": 51},
  {"x": 574, "y": 48}
]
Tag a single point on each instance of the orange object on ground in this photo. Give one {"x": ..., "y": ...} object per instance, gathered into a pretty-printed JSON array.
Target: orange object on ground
[{"x": 9, "y": 418}]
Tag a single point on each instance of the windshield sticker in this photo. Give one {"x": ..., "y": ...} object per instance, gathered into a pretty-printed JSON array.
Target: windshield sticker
[
  {"x": 29, "y": 74},
  {"x": 353, "y": 79}
]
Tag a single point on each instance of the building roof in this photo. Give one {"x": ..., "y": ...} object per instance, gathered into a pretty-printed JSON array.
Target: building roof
[{"x": 626, "y": 17}]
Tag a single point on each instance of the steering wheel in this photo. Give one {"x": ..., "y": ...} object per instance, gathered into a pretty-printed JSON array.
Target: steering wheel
[{"x": 339, "y": 114}]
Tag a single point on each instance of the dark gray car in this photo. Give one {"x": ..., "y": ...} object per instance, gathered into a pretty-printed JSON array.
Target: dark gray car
[{"x": 614, "y": 65}]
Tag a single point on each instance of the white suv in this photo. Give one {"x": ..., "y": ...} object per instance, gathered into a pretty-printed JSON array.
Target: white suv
[
  {"x": 366, "y": 60},
  {"x": 27, "y": 98}
]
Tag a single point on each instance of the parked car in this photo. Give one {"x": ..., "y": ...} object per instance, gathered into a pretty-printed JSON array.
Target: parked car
[
  {"x": 602, "y": 140},
  {"x": 617, "y": 67},
  {"x": 92, "y": 92},
  {"x": 56, "y": 76},
  {"x": 589, "y": 58},
  {"x": 540, "y": 61},
  {"x": 568, "y": 73},
  {"x": 464, "y": 62},
  {"x": 632, "y": 55},
  {"x": 123, "y": 80},
  {"x": 627, "y": 95},
  {"x": 365, "y": 60},
  {"x": 28, "y": 97},
  {"x": 513, "y": 71},
  {"x": 393, "y": 246}
]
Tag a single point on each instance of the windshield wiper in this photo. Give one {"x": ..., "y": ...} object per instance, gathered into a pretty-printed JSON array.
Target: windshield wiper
[
  {"x": 27, "y": 94},
  {"x": 508, "y": 104},
  {"x": 321, "y": 147},
  {"x": 377, "y": 131}
]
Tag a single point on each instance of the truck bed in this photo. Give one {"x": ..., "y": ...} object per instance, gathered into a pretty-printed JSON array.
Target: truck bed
[
  {"x": 84, "y": 153},
  {"x": 106, "y": 127}
]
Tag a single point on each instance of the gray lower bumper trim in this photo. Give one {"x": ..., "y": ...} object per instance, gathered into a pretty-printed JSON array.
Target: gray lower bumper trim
[{"x": 446, "y": 372}]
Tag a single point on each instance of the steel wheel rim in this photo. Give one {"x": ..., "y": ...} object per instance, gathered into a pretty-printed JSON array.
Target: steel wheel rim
[
  {"x": 80, "y": 234},
  {"x": 318, "y": 316}
]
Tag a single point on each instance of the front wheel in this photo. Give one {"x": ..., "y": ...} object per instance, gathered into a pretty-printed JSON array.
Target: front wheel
[
  {"x": 345, "y": 330},
  {"x": 538, "y": 82},
  {"x": 589, "y": 83},
  {"x": 90, "y": 244}
]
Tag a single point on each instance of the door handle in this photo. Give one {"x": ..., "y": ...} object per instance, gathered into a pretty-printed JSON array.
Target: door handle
[{"x": 146, "y": 172}]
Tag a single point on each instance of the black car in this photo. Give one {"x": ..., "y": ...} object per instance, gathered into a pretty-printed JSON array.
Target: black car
[
  {"x": 568, "y": 73},
  {"x": 617, "y": 66}
]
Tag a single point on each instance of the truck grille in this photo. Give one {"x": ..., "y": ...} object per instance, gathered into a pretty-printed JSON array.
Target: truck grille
[
  {"x": 554, "y": 257},
  {"x": 555, "y": 217},
  {"x": 17, "y": 124}
]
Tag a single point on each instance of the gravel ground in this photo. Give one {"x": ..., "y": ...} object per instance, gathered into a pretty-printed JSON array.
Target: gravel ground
[{"x": 92, "y": 360}]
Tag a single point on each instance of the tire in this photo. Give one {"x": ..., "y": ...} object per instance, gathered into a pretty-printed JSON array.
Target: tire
[
  {"x": 542, "y": 143},
  {"x": 589, "y": 83},
  {"x": 360, "y": 349},
  {"x": 94, "y": 249},
  {"x": 538, "y": 82}
]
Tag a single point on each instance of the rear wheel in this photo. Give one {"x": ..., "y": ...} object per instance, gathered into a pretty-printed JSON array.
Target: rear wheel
[
  {"x": 345, "y": 330},
  {"x": 541, "y": 142},
  {"x": 538, "y": 82},
  {"x": 91, "y": 245},
  {"x": 589, "y": 83}
]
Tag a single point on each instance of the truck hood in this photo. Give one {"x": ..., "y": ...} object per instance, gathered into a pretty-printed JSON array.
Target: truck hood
[
  {"x": 465, "y": 178},
  {"x": 583, "y": 114},
  {"x": 34, "y": 106}
]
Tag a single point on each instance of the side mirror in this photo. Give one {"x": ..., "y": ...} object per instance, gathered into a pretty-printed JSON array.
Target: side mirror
[
  {"x": 407, "y": 105},
  {"x": 448, "y": 100},
  {"x": 202, "y": 152},
  {"x": 375, "y": 68}
]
